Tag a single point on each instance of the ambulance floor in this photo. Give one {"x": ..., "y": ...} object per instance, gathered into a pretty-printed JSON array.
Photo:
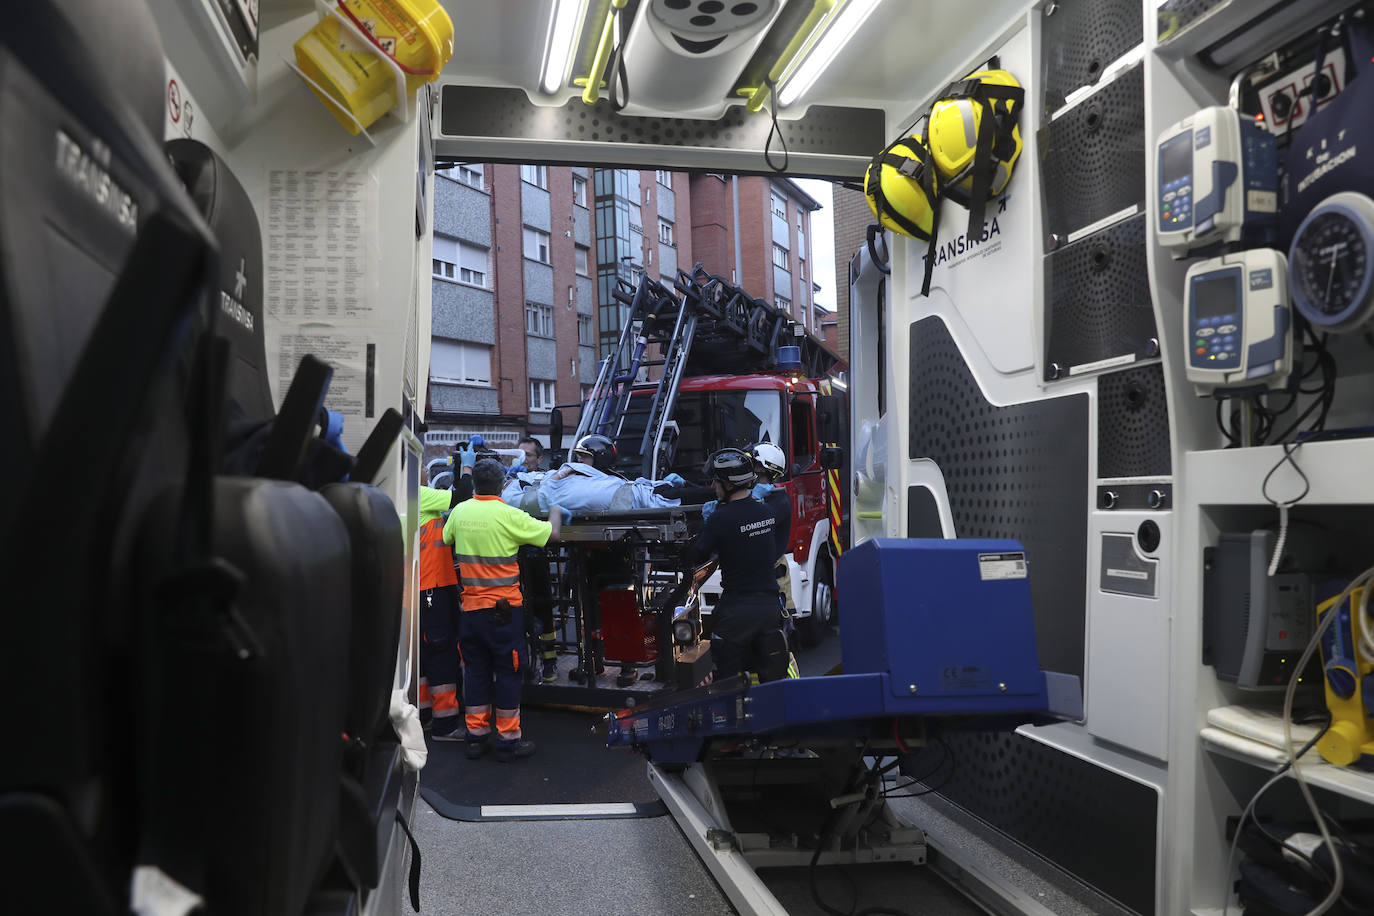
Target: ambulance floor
[{"x": 625, "y": 868}]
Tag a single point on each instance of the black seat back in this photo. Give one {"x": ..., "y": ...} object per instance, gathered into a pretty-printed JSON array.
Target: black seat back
[{"x": 103, "y": 265}]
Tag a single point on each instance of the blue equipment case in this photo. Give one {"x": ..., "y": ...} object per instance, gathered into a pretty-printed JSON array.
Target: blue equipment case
[{"x": 932, "y": 628}]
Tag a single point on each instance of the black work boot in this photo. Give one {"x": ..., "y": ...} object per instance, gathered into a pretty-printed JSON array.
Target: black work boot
[
  {"x": 476, "y": 747},
  {"x": 506, "y": 751}
]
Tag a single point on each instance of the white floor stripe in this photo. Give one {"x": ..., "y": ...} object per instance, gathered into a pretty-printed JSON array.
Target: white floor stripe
[{"x": 558, "y": 810}]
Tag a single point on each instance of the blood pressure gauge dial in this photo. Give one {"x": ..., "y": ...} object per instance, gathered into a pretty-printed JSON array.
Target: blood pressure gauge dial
[{"x": 1330, "y": 266}]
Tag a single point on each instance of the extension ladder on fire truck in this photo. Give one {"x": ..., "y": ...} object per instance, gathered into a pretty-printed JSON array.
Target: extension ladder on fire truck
[{"x": 735, "y": 333}]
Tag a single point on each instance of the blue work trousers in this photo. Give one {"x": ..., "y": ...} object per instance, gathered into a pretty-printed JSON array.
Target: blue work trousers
[{"x": 491, "y": 672}]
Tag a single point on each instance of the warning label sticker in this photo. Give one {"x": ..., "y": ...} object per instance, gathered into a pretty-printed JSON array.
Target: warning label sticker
[{"x": 1001, "y": 566}]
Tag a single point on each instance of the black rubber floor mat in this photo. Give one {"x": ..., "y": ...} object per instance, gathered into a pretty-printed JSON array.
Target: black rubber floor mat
[{"x": 571, "y": 766}]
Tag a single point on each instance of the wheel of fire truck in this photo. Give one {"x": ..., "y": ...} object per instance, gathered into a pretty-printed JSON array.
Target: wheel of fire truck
[{"x": 814, "y": 627}]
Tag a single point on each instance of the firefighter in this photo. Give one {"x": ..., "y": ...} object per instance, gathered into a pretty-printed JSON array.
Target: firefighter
[
  {"x": 742, "y": 535},
  {"x": 486, "y": 535},
  {"x": 771, "y": 464},
  {"x": 438, "y": 613}
]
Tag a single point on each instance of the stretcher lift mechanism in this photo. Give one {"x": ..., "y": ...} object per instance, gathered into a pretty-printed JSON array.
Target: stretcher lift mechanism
[{"x": 938, "y": 635}]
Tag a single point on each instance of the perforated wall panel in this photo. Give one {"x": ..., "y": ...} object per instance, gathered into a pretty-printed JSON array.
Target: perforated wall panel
[
  {"x": 1094, "y": 156},
  {"x": 1081, "y": 38},
  {"x": 1018, "y": 471},
  {"x": 1061, "y": 807},
  {"x": 474, "y": 111},
  {"x": 1097, "y": 300},
  {"x": 1133, "y": 424}
]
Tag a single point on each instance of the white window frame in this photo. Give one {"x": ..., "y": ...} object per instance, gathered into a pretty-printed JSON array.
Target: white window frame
[
  {"x": 579, "y": 190},
  {"x": 537, "y": 175},
  {"x": 464, "y": 363},
  {"x": 581, "y": 258},
  {"x": 778, "y": 205},
  {"x": 665, "y": 232},
  {"x": 543, "y": 395},
  {"x": 783, "y": 303},
  {"x": 470, "y": 174},
  {"x": 537, "y": 245},
  {"x": 780, "y": 252},
  {"x": 664, "y": 177},
  {"x": 586, "y": 330},
  {"x": 538, "y": 319}
]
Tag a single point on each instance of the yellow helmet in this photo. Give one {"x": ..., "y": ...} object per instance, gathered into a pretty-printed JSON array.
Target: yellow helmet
[
  {"x": 902, "y": 188},
  {"x": 955, "y": 122}
]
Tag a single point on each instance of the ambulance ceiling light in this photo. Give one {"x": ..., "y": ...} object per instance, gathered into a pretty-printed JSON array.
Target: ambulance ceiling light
[
  {"x": 822, "y": 53},
  {"x": 563, "y": 22}
]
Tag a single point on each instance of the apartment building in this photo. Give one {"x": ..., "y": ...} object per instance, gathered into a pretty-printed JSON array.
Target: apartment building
[
  {"x": 757, "y": 231},
  {"x": 525, "y": 260}
]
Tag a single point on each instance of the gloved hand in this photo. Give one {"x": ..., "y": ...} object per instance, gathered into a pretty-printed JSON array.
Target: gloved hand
[
  {"x": 467, "y": 457},
  {"x": 707, "y": 509},
  {"x": 762, "y": 489},
  {"x": 674, "y": 480},
  {"x": 515, "y": 468},
  {"x": 567, "y": 516}
]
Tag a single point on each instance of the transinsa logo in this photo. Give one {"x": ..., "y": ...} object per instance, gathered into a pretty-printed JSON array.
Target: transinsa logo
[{"x": 961, "y": 248}]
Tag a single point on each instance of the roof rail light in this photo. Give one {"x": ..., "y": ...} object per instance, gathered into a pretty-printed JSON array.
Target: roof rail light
[
  {"x": 822, "y": 53},
  {"x": 563, "y": 23}
]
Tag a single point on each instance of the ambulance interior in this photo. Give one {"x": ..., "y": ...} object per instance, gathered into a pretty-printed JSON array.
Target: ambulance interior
[{"x": 1145, "y": 375}]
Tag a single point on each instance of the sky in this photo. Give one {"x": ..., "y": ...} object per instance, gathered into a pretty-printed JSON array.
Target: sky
[{"x": 822, "y": 241}]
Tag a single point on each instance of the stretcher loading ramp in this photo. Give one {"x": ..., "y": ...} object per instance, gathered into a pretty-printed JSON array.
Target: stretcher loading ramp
[{"x": 938, "y": 635}]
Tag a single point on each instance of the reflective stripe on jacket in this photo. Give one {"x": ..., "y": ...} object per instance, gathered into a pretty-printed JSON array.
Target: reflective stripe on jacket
[{"x": 487, "y": 535}]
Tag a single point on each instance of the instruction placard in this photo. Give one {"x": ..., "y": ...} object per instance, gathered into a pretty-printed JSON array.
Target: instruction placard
[
  {"x": 317, "y": 232},
  {"x": 1001, "y": 566}
]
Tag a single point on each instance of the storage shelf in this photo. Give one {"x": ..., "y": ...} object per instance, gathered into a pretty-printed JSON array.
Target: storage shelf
[
  {"x": 1338, "y": 472},
  {"x": 1351, "y": 783},
  {"x": 1232, "y": 16}
]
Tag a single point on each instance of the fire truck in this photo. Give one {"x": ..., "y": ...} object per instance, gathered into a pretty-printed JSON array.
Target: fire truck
[{"x": 700, "y": 365}]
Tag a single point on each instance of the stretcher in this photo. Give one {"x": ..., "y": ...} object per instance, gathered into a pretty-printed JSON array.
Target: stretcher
[{"x": 938, "y": 635}]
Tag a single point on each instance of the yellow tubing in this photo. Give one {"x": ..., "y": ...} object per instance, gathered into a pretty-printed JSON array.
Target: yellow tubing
[
  {"x": 603, "y": 54},
  {"x": 819, "y": 10}
]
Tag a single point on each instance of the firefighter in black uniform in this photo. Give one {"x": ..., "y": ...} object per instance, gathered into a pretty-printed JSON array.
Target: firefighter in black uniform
[{"x": 745, "y": 627}]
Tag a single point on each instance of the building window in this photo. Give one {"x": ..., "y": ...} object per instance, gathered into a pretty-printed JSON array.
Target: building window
[
  {"x": 536, "y": 245},
  {"x": 580, "y": 260},
  {"x": 579, "y": 190},
  {"x": 536, "y": 175},
  {"x": 664, "y": 177},
  {"x": 455, "y": 260},
  {"x": 586, "y": 331},
  {"x": 779, "y": 255},
  {"x": 784, "y": 303},
  {"x": 539, "y": 319},
  {"x": 665, "y": 232},
  {"x": 459, "y": 363},
  {"x": 779, "y": 205},
  {"x": 467, "y": 173},
  {"x": 541, "y": 395}
]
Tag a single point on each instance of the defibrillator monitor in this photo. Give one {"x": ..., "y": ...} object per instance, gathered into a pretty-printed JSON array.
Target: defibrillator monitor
[
  {"x": 1216, "y": 183},
  {"x": 1237, "y": 322}
]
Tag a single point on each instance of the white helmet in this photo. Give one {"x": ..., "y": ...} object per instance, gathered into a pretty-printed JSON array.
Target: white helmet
[{"x": 769, "y": 459}]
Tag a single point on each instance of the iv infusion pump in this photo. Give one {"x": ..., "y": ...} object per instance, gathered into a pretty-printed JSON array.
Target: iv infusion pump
[
  {"x": 1238, "y": 322},
  {"x": 1216, "y": 182}
]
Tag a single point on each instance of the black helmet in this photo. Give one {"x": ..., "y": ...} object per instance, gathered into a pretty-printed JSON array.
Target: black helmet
[
  {"x": 598, "y": 448},
  {"x": 733, "y": 468}
]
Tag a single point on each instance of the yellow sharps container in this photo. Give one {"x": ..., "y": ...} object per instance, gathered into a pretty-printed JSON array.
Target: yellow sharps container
[{"x": 350, "y": 73}]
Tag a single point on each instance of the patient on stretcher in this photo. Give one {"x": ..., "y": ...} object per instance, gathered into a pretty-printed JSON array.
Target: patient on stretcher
[{"x": 583, "y": 489}]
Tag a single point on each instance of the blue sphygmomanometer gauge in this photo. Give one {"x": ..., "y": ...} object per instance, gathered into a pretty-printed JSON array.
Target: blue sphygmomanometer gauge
[{"x": 1330, "y": 269}]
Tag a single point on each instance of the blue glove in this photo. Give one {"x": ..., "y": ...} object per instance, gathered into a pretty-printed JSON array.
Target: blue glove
[
  {"x": 762, "y": 489},
  {"x": 707, "y": 509},
  {"x": 515, "y": 469},
  {"x": 476, "y": 440},
  {"x": 674, "y": 480},
  {"x": 567, "y": 516},
  {"x": 467, "y": 457}
]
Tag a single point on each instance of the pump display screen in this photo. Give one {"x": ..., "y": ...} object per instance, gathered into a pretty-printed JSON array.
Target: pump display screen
[
  {"x": 1175, "y": 181},
  {"x": 1215, "y": 296}
]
